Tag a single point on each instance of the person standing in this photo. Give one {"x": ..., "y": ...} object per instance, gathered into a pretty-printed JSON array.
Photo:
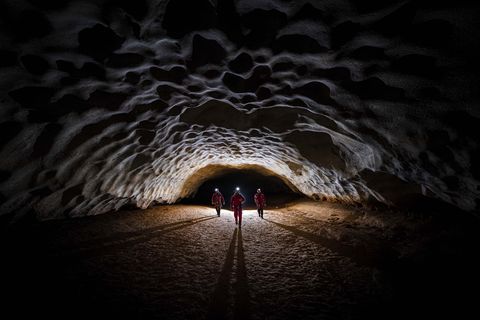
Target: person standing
[
  {"x": 218, "y": 201},
  {"x": 236, "y": 202},
  {"x": 260, "y": 201}
]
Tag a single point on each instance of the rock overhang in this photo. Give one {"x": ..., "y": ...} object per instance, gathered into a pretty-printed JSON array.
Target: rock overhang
[{"x": 128, "y": 105}]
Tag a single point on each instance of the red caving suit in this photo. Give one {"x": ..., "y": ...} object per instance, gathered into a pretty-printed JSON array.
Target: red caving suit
[
  {"x": 217, "y": 199},
  {"x": 236, "y": 203},
  {"x": 259, "y": 200}
]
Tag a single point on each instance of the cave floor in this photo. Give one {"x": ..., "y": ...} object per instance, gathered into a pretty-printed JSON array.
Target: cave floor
[{"x": 307, "y": 260}]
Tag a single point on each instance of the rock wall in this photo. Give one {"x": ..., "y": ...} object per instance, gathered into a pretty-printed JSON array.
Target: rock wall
[{"x": 114, "y": 102}]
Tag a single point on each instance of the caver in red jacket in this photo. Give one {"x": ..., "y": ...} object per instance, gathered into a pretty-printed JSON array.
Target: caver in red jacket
[
  {"x": 236, "y": 203},
  {"x": 259, "y": 200},
  {"x": 217, "y": 199}
]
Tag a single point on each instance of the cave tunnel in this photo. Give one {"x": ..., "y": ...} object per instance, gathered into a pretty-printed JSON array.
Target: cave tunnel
[
  {"x": 358, "y": 119},
  {"x": 277, "y": 191}
]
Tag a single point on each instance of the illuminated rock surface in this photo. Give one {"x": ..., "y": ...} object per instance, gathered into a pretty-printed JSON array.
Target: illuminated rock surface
[{"x": 113, "y": 103}]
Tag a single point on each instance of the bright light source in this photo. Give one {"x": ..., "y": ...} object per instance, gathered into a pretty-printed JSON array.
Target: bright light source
[
  {"x": 216, "y": 189},
  {"x": 237, "y": 188}
]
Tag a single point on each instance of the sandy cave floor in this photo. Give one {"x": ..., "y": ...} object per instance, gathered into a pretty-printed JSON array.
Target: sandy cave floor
[{"x": 308, "y": 260}]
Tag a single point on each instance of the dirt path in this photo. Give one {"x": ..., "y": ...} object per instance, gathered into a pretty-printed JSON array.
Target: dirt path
[{"x": 307, "y": 261}]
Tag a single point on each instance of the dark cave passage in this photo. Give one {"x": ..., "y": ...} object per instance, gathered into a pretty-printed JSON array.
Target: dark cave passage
[
  {"x": 359, "y": 121},
  {"x": 277, "y": 192}
]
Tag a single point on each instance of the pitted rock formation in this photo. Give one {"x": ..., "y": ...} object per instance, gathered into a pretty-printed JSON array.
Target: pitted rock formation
[{"x": 108, "y": 103}]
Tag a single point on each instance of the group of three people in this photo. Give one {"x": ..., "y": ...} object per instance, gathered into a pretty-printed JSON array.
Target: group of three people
[{"x": 236, "y": 202}]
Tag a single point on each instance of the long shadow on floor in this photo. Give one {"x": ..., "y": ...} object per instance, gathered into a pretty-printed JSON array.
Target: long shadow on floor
[
  {"x": 129, "y": 239},
  {"x": 242, "y": 295},
  {"x": 366, "y": 255},
  {"x": 118, "y": 236},
  {"x": 220, "y": 301},
  {"x": 218, "y": 308}
]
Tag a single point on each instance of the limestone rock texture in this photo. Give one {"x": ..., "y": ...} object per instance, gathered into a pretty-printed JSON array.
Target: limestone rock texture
[{"x": 109, "y": 103}]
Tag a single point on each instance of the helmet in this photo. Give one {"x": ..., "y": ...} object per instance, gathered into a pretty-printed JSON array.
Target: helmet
[{"x": 258, "y": 190}]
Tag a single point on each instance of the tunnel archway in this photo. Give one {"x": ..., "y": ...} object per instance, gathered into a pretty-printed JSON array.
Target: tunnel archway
[{"x": 278, "y": 190}]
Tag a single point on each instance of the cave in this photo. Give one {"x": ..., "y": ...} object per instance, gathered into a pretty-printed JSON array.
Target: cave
[
  {"x": 358, "y": 120},
  {"x": 277, "y": 191}
]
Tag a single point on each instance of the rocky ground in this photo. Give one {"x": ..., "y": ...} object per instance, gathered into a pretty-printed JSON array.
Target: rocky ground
[{"x": 307, "y": 260}]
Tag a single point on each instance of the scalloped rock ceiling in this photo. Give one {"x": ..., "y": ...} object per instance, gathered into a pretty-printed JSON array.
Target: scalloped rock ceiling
[{"x": 108, "y": 103}]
